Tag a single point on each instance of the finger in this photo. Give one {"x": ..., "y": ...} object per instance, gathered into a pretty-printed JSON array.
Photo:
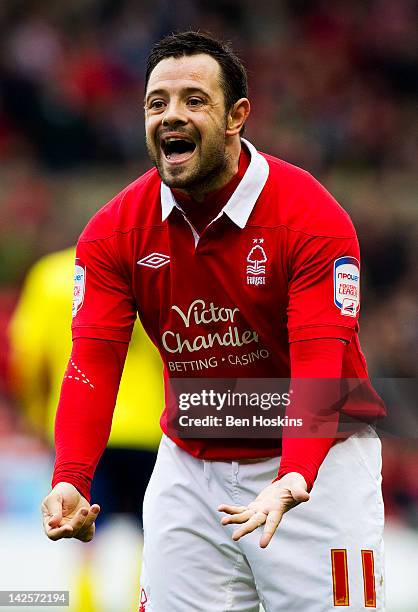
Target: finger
[
  {"x": 65, "y": 531},
  {"x": 79, "y": 519},
  {"x": 237, "y": 518},
  {"x": 52, "y": 509},
  {"x": 231, "y": 509},
  {"x": 89, "y": 520},
  {"x": 272, "y": 522},
  {"x": 255, "y": 521}
]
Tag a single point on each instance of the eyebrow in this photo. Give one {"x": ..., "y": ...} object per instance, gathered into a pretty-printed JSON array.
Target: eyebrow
[{"x": 189, "y": 90}]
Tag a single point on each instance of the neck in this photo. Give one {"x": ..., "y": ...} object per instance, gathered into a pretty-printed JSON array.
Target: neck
[{"x": 232, "y": 154}]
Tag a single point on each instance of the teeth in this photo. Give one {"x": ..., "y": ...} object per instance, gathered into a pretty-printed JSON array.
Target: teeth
[{"x": 174, "y": 139}]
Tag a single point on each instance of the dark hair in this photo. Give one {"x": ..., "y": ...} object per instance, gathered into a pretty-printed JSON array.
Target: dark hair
[{"x": 233, "y": 75}]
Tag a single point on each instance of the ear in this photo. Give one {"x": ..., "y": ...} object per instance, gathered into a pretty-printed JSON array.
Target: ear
[{"x": 237, "y": 116}]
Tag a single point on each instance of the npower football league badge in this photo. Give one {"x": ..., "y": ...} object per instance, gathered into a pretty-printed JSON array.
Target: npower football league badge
[{"x": 347, "y": 285}]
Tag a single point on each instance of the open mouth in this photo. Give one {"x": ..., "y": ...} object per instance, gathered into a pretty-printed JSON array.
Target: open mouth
[{"x": 177, "y": 150}]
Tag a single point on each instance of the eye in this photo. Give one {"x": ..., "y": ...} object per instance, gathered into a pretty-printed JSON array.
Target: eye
[
  {"x": 195, "y": 101},
  {"x": 156, "y": 105}
]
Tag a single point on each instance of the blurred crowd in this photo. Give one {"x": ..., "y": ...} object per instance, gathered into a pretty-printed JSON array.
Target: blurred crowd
[{"x": 333, "y": 87}]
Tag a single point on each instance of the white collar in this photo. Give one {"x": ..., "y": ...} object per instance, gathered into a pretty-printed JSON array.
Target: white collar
[{"x": 242, "y": 201}]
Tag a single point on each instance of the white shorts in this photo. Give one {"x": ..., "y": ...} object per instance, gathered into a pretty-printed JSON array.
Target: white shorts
[{"x": 327, "y": 553}]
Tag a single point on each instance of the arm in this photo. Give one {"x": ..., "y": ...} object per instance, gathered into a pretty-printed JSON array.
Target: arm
[
  {"x": 82, "y": 429},
  {"x": 103, "y": 316}
]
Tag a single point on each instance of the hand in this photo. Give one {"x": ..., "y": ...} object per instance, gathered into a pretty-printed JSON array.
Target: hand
[
  {"x": 67, "y": 514},
  {"x": 267, "y": 508}
]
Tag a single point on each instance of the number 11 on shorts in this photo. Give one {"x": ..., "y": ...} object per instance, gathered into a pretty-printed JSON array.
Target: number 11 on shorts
[{"x": 340, "y": 577}]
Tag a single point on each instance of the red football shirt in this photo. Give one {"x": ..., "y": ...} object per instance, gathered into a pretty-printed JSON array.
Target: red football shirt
[{"x": 280, "y": 263}]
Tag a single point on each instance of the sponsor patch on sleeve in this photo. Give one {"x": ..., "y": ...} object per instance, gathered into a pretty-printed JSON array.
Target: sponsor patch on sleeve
[
  {"x": 79, "y": 286},
  {"x": 347, "y": 285}
]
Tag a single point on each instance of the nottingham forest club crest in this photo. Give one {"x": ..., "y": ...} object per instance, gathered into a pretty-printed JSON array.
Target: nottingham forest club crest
[{"x": 256, "y": 263}]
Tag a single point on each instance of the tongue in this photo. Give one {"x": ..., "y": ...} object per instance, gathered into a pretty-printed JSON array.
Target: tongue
[{"x": 178, "y": 157}]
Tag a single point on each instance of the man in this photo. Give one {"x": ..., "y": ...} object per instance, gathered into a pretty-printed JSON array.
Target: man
[{"x": 235, "y": 261}]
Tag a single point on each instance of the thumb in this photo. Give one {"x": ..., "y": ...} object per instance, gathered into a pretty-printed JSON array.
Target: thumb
[
  {"x": 299, "y": 493},
  {"x": 54, "y": 507}
]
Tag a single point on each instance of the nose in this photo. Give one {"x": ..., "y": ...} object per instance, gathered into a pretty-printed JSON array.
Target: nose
[{"x": 174, "y": 114}]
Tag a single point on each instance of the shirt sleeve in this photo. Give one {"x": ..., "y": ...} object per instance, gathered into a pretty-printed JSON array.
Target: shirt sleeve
[
  {"x": 103, "y": 304},
  {"x": 316, "y": 367},
  {"x": 324, "y": 288},
  {"x": 85, "y": 410}
]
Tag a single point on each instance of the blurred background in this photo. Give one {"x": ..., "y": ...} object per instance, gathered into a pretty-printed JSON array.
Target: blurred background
[{"x": 334, "y": 89}]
